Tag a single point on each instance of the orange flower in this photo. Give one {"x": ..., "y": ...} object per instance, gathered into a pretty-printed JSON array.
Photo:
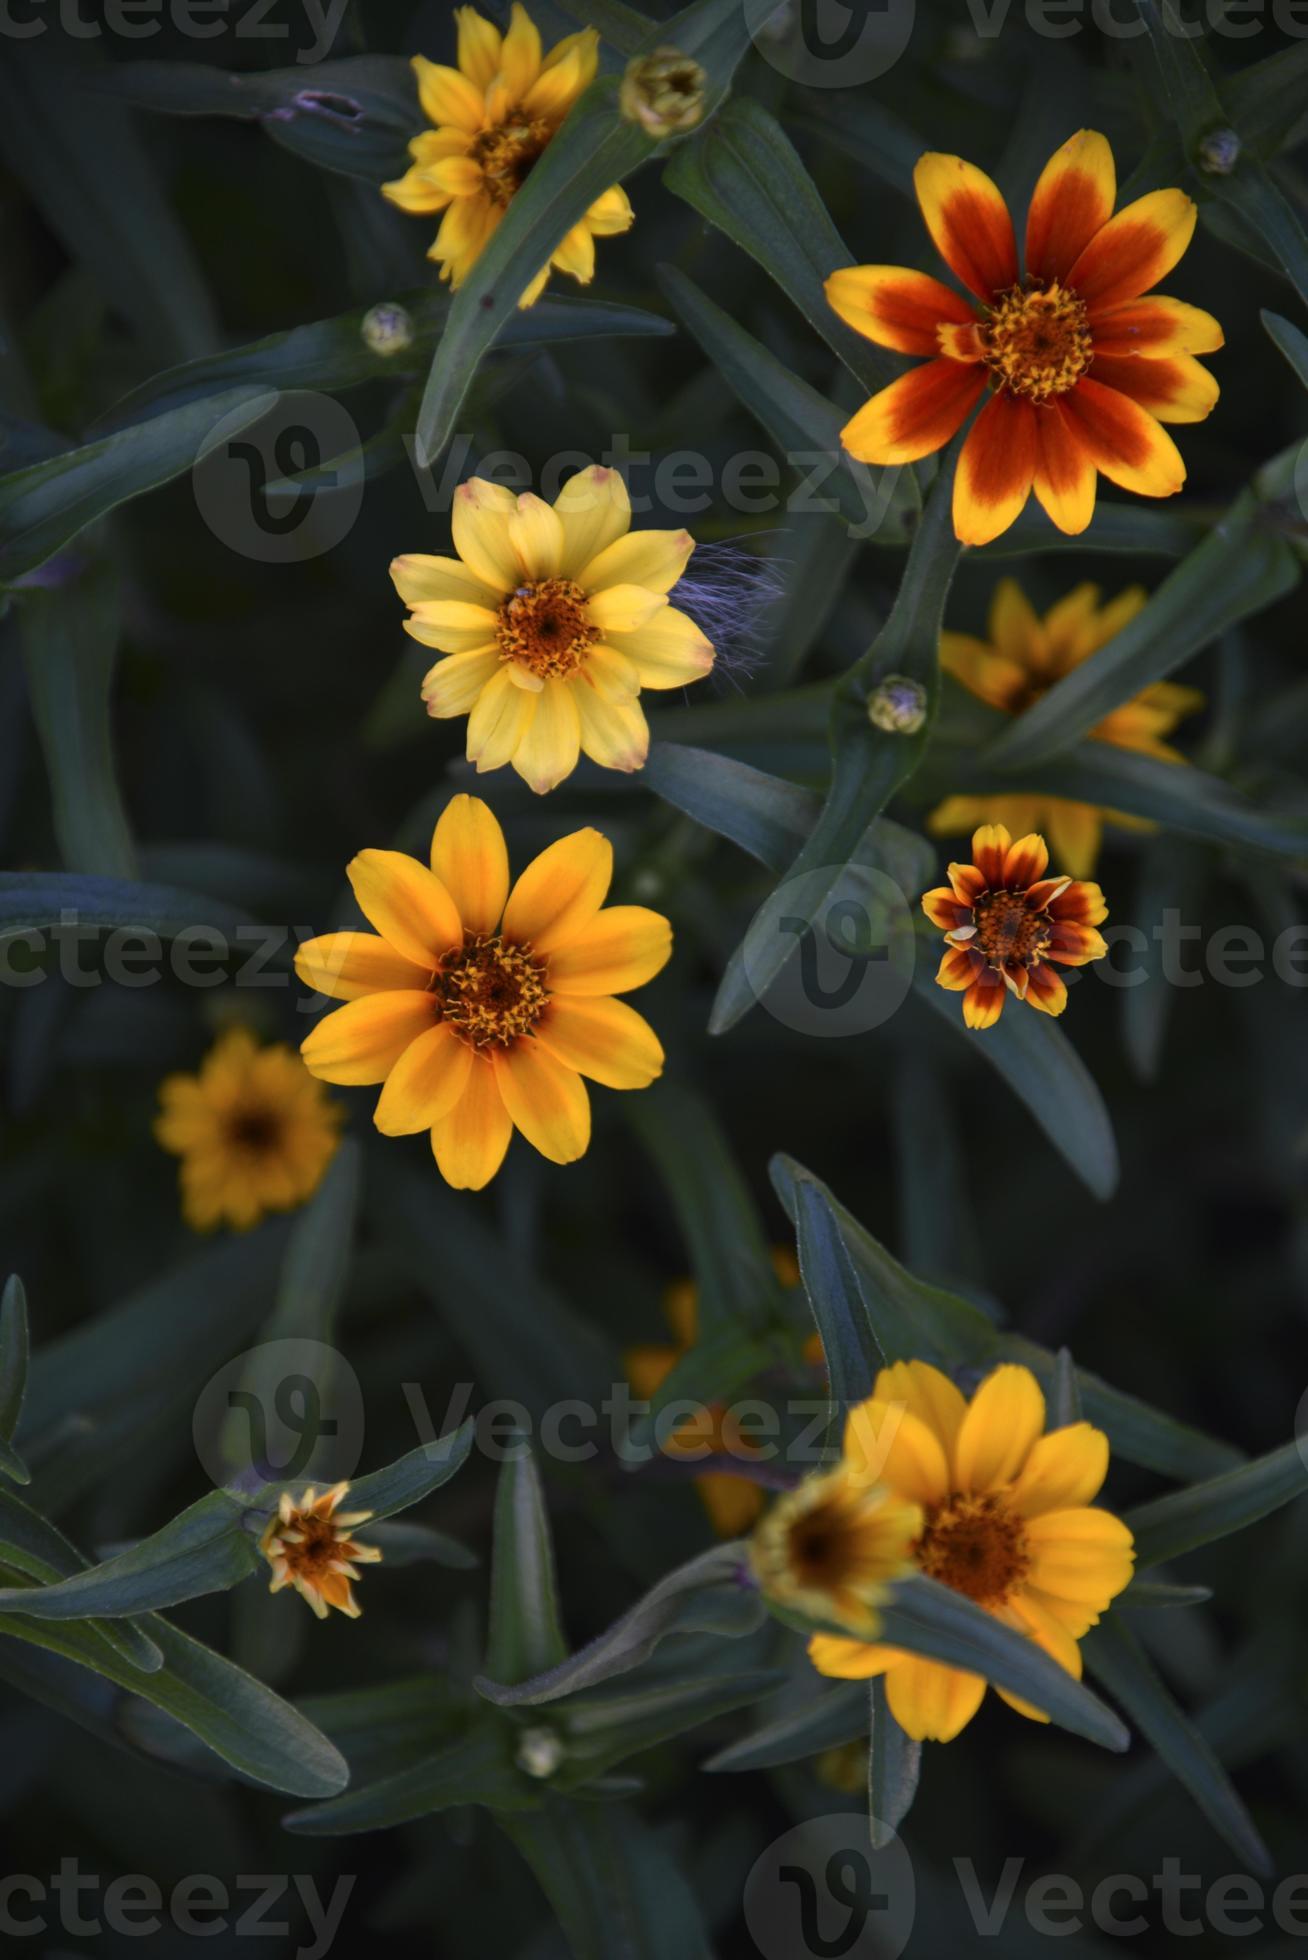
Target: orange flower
[
  {"x": 1005, "y": 922},
  {"x": 309, "y": 1546},
  {"x": 1082, "y": 368}
]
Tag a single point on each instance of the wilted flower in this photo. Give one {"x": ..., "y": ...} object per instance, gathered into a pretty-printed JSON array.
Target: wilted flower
[
  {"x": 832, "y": 1546},
  {"x": 309, "y": 1546},
  {"x": 553, "y": 619},
  {"x": 1082, "y": 370},
  {"x": 663, "y": 92},
  {"x": 254, "y": 1131},
  {"x": 1008, "y": 1520},
  {"x": 481, "y": 1007},
  {"x": 1008, "y": 925},
  {"x": 494, "y": 116}
]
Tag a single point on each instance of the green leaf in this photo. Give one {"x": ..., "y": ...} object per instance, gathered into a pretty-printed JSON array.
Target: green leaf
[
  {"x": 1133, "y": 529},
  {"x": 14, "y": 1352},
  {"x": 46, "y": 505},
  {"x": 1042, "y": 1068},
  {"x": 838, "y": 1715},
  {"x": 711, "y": 1594},
  {"x": 1185, "y": 1519},
  {"x": 1265, "y": 100},
  {"x": 1153, "y": 1594},
  {"x": 617, "y": 1892},
  {"x": 1261, "y": 207},
  {"x": 30, "y": 1544},
  {"x": 526, "y": 1636},
  {"x": 1191, "y": 94},
  {"x": 476, "y": 1769},
  {"x": 36, "y": 901},
  {"x": 765, "y": 815},
  {"x": 1137, "y": 1432},
  {"x": 894, "y": 1765},
  {"x": 849, "y": 1342},
  {"x": 202, "y": 1550},
  {"x": 69, "y": 634},
  {"x": 1064, "y": 1396},
  {"x": 603, "y": 1728},
  {"x": 1291, "y": 341},
  {"x": 410, "y": 1478},
  {"x": 1115, "y": 1656},
  {"x": 745, "y": 176},
  {"x": 1240, "y": 568}
]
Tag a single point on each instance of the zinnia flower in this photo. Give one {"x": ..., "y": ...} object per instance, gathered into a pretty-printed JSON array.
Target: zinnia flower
[
  {"x": 480, "y": 1007},
  {"x": 254, "y": 1131},
  {"x": 1008, "y": 1520},
  {"x": 1008, "y": 925},
  {"x": 309, "y": 1546},
  {"x": 831, "y": 1547},
  {"x": 1082, "y": 368},
  {"x": 1023, "y": 657},
  {"x": 553, "y": 619},
  {"x": 494, "y": 116}
]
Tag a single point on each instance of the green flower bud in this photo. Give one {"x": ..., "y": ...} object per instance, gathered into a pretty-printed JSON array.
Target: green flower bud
[
  {"x": 898, "y": 706},
  {"x": 663, "y": 92},
  {"x": 387, "y": 329}
]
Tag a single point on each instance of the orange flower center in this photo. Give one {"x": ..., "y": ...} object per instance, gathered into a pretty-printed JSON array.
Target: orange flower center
[
  {"x": 490, "y": 991},
  {"x": 1008, "y": 930},
  {"x": 975, "y": 1545},
  {"x": 546, "y": 627},
  {"x": 506, "y": 155},
  {"x": 1037, "y": 343},
  {"x": 319, "y": 1546},
  {"x": 254, "y": 1130}
]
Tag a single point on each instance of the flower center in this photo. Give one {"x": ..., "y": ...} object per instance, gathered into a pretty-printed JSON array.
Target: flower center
[
  {"x": 1038, "y": 343},
  {"x": 490, "y": 991},
  {"x": 255, "y": 1130},
  {"x": 318, "y": 1546},
  {"x": 546, "y": 627},
  {"x": 975, "y": 1545},
  {"x": 1007, "y": 929},
  {"x": 506, "y": 154}
]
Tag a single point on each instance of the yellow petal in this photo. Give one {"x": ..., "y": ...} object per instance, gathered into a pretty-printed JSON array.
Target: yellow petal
[
  {"x": 613, "y": 733},
  {"x": 1003, "y": 1420},
  {"x": 460, "y": 176},
  {"x": 594, "y": 509},
  {"x": 548, "y": 750},
  {"x": 547, "y": 1101},
  {"x": 610, "y": 213},
  {"x": 454, "y": 686},
  {"x": 887, "y": 1443},
  {"x": 536, "y": 534},
  {"x": 447, "y": 97},
  {"x": 498, "y": 722},
  {"x": 479, "y": 47},
  {"x": 348, "y": 965},
  {"x": 670, "y": 651},
  {"x": 1042, "y": 1626},
  {"x": 415, "y": 193},
  {"x": 469, "y": 1143},
  {"x": 418, "y": 578},
  {"x": 575, "y": 254},
  {"x": 603, "y": 1039},
  {"x": 520, "y": 56},
  {"x": 851, "y": 1660},
  {"x": 479, "y": 523},
  {"x": 623, "y": 608},
  {"x": 652, "y": 559},
  {"x": 362, "y": 1041},
  {"x": 928, "y": 1394},
  {"x": 452, "y": 626},
  {"x": 1015, "y": 627},
  {"x": 557, "y": 87},
  {"x": 469, "y": 856},
  {"x": 610, "y": 673},
  {"x": 1083, "y": 1555},
  {"x": 410, "y": 908},
  {"x": 932, "y": 1702},
  {"x": 425, "y": 1083},
  {"x": 559, "y": 893},
  {"x": 619, "y": 949},
  {"x": 1066, "y": 1468}
]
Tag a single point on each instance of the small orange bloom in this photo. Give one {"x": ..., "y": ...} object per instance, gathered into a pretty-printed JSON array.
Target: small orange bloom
[
  {"x": 1083, "y": 370},
  {"x": 1007, "y": 925},
  {"x": 309, "y": 1546}
]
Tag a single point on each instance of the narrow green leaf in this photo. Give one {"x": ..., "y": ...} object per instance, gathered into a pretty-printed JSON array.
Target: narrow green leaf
[
  {"x": 838, "y": 1715},
  {"x": 411, "y": 1477},
  {"x": 765, "y": 815},
  {"x": 1291, "y": 341},
  {"x": 477, "y": 1769},
  {"x": 1152, "y": 1594},
  {"x": 1185, "y": 1519},
  {"x": 1189, "y": 89},
  {"x": 601, "y": 1729},
  {"x": 1137, "y": 1432},
  {"x": 617, "y": 1891},
  {"x": 32, "y": 1545},
  {"x": 1265, "y": 100},
  {"x": 849, "y": 1342},
  {"x": 1115, "y": 1656},
  {"x": 893, "y": 1768},
  {"x": 1261, "y": 207},
  {"x": 201, "y": 1550},
  {"x": 34, "y": 901},
  {"x": 14, "y": 1352},
  {"x": 526, "y": 1635}
]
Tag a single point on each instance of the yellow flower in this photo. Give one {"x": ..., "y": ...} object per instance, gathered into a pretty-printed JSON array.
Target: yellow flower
[
  {"x": 552, "y": 620},
  {"x": 493, "y": 116},
  {"x": 254, "y": 1131},
  {"x": 733, "y": 1503},
  {"x": 831, "y": 1547},
  {"x": 1023, "y": 656},
  {"x": 1009, "y": 1521},
  {"x": 480, "y": 1007},
  {"x": 309, "y": 1546}
]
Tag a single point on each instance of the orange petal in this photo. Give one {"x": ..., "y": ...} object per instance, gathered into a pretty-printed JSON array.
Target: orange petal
[
  {"x": 1175, "y": 389},
  {"x": 995, "y": 470},
  {"x": 1065, "y": 477},
  {"x": 1154, "y": 326},
  {"x": 1074, "y": 945},
  {"x": 990, "y": 847},
  {"x": 915, "y": 415},
  {"x": 604, "y": 1039},
  {"x": 983, "y": 1003},
  {"x": 1044, "y": 989},
  {"x": 1072, "y": 201},
  {"x": 1134, "y": 250},
  {"x": 469, "y": 857},
  {"x": 957, "y": 969},
  {"x": 1083, "y": 901},
  {"x": 968, "y": 221},
  {"x": 1123, "y": 440},
  {"x": 407, "y": 903},
  {"x": 348, "y": 965},
  {"x": 895, "y": 307},
  {"x": 469, "y": 1143},
  {"x": 1025, "y": 862},
  {"x": 546, "y": 1099},
  {"x": 622, "y": 947},
  {"x": 425, "y": 1083},
  {"x": 932, "y": 1702},
  {"x": 560, "y": 891},
  {"x": 361, "y": 1042},
  {"x": 943, "y": 908}
]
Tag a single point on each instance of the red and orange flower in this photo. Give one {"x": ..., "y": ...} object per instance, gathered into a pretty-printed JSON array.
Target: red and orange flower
[
  {"x": 1008, "y": 925},
  {"x": 1082, "y": 368}
]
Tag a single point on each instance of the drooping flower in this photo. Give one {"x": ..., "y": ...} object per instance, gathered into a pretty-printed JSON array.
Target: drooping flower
[
  {"x": 254, "y": 1131},
  {"x": 552, "y": 619},
  {"x": 832, "y": 1547},
  {"x": 1008, "y": 1519},
  {"x": 1082, "y": 369},
  {"x": 1024, "y": 656},
  {"x": 1008, "y": 925},
  {"x": 480, "y": 1007},
  {"x": 493, "y": 117},
  {"x": 310, "y": 1546},
  {"x": 732, "y": 1502}
]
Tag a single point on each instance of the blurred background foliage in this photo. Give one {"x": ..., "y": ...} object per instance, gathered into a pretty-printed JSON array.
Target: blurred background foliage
[{"x": 182, "y": 715}]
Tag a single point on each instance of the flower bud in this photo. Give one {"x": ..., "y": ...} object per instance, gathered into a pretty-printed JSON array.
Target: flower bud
[
  {"x": 663, "y": 92},
  {"x": 898, "y": 705},
  {"x": 1219, "y": 152},
  {"x": 387, "y": 329},
  {"x": 540, "y": 1751}
]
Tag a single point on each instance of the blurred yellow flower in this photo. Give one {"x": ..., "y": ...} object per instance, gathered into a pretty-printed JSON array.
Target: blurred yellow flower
[
  {"x": 309, "y": 1546},
  {"x": 493, "y": 116},
  {"x": 1008, "y": 1520},
  {"x": 832, "y": 1546},
  {"x": 254, "y": 1131},
  {"x": 1023, "y": 656},
  {"x": 480, "y": 1007},
  {"x": 552, "y": 619}
]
